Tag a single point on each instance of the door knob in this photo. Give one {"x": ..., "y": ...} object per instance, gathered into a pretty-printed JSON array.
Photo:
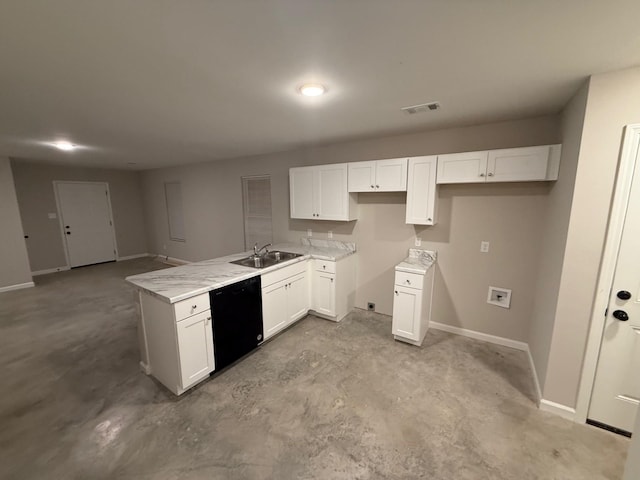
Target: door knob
[
  {"x": 623, "y": 295},
  {"x": 621, "y": 315}
]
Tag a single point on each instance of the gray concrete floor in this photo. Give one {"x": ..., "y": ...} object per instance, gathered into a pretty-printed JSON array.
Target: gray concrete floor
[{"x": 322, "y": 400}]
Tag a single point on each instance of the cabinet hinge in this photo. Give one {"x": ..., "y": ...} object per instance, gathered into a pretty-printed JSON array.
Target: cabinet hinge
[{"x": 606, "y": 311}]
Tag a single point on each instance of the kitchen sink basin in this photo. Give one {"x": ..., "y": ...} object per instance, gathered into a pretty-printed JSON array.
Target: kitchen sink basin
[{"x": 266, "y": 260}]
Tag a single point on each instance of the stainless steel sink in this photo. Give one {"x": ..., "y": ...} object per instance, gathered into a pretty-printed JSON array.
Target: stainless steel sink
[{"x": 266, "y": 260}]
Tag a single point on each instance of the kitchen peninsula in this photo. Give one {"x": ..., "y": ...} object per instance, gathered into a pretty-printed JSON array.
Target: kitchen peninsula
[{"x": 177, "y": 337}]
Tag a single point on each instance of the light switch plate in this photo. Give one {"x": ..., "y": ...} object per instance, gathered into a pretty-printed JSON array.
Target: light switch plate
[
  {"x": 329, "y": 234},
  {"x": 484, "y": 247},
  {"x": 309, "y": 233},
  {"x": 52, "y": 216},
  {"x": 418, "y": 241}
]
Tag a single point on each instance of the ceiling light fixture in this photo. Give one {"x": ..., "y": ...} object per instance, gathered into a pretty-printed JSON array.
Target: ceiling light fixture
[
  {"x": 312, "y": 89},
  {"x": 64, "y": 145}
]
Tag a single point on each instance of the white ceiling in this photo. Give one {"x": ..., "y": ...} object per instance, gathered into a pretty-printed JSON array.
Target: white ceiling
[{"x": 165, "y": 82}]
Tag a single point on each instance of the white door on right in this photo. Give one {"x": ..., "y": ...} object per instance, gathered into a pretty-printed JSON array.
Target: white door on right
[{"x": 616, "y": 391}]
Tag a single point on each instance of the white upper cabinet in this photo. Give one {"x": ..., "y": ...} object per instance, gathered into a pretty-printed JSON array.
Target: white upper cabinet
[
  {"x": 523, "y": 164},
  {"x": 378, "y": 176},
  {"x": 468, "y": 167},
  {"x": 301, "y": 192},
  {"x": 320, "y": 193},
  {"x": 507, "y": 165},
  {"x": 422, "y": 191},
  {"x": 362, "y": 176}
]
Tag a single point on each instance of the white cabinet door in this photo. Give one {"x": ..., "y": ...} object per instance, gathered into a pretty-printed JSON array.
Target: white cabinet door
[
  {"x": 274, "y": 309},
  {"x": 422, "y": 191},
  {"x": 324, "y": 293},
  {"x": 469, "y": 167},
  {"x": 406, "y": 312},
  {"x": 518, "y": 164},
  {"x": 362, "y": 176},
  {"x": 195, "y": 344},
  {"x": 297, "y": 297},
  {"x": 332, "y": 197},
  {"x": 391, "y": 175},
  {"x": 301, "y": 184}
]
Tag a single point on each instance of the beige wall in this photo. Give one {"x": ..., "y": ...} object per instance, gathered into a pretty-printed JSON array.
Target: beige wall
[
  {"x": 510, "y": 216},
  {"x": 613, "y": 102},
  {"x": 554, "y": 238},
  {"x": 13, "y": 253},
  {"x": 34, "y": 187}
]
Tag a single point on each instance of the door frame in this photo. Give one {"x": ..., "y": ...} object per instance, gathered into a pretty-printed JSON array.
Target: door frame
[
  {"x": 629, "y": 152},
  {"x": 61, "y": 223}
]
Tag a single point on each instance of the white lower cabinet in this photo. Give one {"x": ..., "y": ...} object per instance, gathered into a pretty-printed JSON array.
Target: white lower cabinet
[
  {"x": 334, "y": 287},
  {"x": 274, "y": 309},
  {"x": 285, "y": 297},
  {"x": 178, "y": 339},
  {"x": 407, "y": 305},
  {"x": 297, "y": 297},
  {"x": 324, "y": 293},
  {"x": 195, "y": 344},
  {"x": 412, "y": 306}
]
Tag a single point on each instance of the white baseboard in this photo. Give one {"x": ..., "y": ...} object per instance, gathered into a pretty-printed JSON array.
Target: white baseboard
[
  {"x": 17, "y": 286},
  {"x": 49, "y": 270},
  {"x": 535, "y": 376},
  {"x": 506, "y": 342},
  {"x": 170, "y": 260},
  {"x": 485, "y": 337},
  {"x": 131, "y": 257},
  {"x": 145, "y": 368},
  {"x": 559, "y": 409}
]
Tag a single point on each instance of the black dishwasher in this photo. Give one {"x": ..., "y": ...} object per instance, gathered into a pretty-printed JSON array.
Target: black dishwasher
[{"x": 237, "y": 320}]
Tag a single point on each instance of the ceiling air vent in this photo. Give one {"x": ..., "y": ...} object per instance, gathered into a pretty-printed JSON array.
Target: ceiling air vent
[{"x": 423, "y": 107}]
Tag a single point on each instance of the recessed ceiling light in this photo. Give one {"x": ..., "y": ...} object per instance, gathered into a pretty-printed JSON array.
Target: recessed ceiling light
[
  {"x": 312, "y": 89},
  {"x": 66, "y": 146}
]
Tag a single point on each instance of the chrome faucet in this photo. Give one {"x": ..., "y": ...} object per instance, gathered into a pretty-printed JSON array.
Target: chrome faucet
[{"x": 256, "y": 250}]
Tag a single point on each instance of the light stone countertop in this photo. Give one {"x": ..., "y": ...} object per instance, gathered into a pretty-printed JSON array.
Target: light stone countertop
[
  {"x": 418, "y": 261},
  {"x": 179, "y": 283}
]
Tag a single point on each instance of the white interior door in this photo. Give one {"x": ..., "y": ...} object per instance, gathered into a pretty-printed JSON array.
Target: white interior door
[
  {"x": 616, "y": 391},
  {"x": 85, "y": 215}
]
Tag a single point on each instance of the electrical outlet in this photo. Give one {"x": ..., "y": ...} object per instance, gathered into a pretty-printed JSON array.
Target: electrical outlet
[
  {"x": 418, "y": 241},
  {"x": 371, "y": 306},
  {"x": 309, "y": 233},
  {"x": 484, "y": 247},
  {"x": 329, "y": 234}
]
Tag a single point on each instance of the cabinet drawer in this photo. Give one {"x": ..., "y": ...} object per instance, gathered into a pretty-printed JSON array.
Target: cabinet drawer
[
  {"x": 282, "y": 273},
  {"x": 325, "y": 266},
  {"x": 191, "y": 306},
  {"x": 411, "y": 280}
]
